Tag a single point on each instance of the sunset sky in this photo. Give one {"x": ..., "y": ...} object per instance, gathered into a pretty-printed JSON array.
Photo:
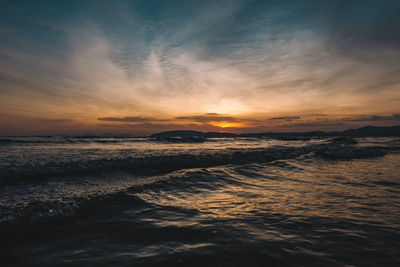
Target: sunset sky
[{"x": 139, "y": 67}]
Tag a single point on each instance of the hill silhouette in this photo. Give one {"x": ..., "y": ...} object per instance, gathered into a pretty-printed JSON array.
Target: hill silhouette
[{"x": 373, "y": 131}]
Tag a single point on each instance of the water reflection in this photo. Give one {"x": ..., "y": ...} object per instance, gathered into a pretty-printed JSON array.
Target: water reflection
[{"x": 348, "y": 190}]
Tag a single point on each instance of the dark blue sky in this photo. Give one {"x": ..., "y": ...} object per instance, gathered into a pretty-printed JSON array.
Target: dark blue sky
[
  {"x": 43, "y": 25},
  {"x": 77, "y": 61}
]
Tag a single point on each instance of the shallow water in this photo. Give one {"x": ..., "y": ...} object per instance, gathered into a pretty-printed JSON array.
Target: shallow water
[{"x": 223, "y": 202}]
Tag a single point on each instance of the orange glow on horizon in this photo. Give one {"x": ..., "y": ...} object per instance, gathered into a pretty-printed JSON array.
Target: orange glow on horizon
[{"x": 223, "y": 124}]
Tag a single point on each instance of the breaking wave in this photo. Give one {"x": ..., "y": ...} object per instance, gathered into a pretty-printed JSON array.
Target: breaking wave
[{"x": 158, "y": 164}]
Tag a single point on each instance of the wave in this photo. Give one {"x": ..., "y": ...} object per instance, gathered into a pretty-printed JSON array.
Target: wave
[
  {"x": 55, "y": 203},
  {"x": 159, "y": 164},
  {"x": 181, "y": 139},
  {"x": 70, "y": 140},
  {"x": 148, "y": 165},
  {"x": 39, "y": 211},
  {"x": 28, "y": 208},
  {"x": 47, "y": 210},
  {"x": 5, "y": 141}
]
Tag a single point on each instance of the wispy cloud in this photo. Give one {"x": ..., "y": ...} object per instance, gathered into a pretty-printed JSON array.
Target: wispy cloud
[
  {"x": 208, "y": 117},
  {"x": 314, "y": 125},
  {"x": 286, "y": 118},
  {"x": 362, "y": 118},
  {"x": 55, "y": 121},
  {"x": 218, "y": 61},
  {"x": 130, "y": 119}
]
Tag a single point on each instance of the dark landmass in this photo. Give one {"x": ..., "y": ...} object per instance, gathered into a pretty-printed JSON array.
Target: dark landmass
[
  {"x": 194, "y": 134},
  {"x": 178, "y": 133},
  {"x": 372, "y": 131},
  {"x": 367, "y": 131}
]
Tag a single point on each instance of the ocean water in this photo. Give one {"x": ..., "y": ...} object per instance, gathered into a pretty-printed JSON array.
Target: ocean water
[{"x": 214, "y": 202}]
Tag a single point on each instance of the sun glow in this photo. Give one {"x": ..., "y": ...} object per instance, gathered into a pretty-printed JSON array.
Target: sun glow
[
  {"x": 223, "y": 124},
  {"x": 228, "y": 106}
]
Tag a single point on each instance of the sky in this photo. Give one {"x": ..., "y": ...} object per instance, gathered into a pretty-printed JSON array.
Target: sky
[{"x": 145, "y": 66}]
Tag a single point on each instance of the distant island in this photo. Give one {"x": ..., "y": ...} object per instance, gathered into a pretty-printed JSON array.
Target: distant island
[
  {"x": 372, "y": 131},
  {"x": 193, "y": 134}
]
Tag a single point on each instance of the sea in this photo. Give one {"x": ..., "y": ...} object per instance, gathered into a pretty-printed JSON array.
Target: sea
[{"x": 240, "y": 201}]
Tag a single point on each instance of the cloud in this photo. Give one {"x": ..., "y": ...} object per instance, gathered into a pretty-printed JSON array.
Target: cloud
[
  {"x": 208, "y": 117},
  {"x": 137, "y": 119},
  {"x": 377, "y": 27},
  {"x": 223, "y": 61},
  {"x": 57, "y": 121},
  {"x": 361, "y": 118},
  {"x": 145, "y": 126},
  {"x": 314, "y": 125},
  {"x": 286, "y": 118}
]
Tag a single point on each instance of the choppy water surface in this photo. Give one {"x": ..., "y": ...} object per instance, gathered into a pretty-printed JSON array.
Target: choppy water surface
[{"x": 224, "y": 202}]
